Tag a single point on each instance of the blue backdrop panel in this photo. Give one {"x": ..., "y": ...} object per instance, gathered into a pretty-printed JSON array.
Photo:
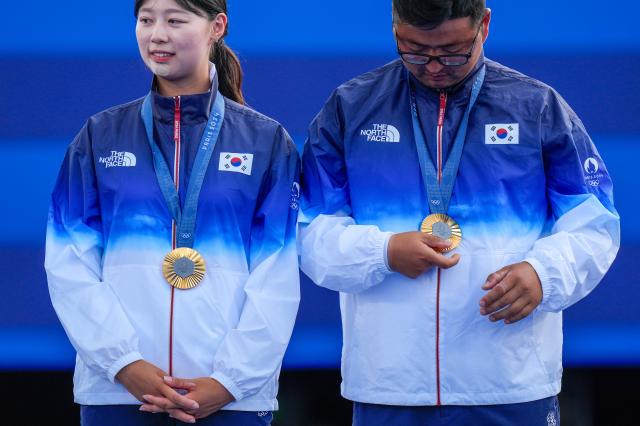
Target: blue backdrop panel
[
  {"x": 51, "y": 97},
  {"x": 333, "y": 27}
]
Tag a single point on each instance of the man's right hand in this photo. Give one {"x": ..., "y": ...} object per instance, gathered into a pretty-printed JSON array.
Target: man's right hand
[
  {"x": 143, "y": 378},
  {"x": 413, "y": 253}
]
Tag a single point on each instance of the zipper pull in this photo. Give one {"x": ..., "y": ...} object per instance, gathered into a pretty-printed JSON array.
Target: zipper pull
[
  {"x": 176, "y": 119},
  {"x": 443, "y": 107}
]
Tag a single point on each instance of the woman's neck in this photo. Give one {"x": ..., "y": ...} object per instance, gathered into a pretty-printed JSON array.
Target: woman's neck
[{"x": 168, "y": 88}]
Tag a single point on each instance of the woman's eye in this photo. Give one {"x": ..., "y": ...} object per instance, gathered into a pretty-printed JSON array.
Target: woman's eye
[
  {"x": 144, "y": 20},
  {"x": 175, "y": 21}
]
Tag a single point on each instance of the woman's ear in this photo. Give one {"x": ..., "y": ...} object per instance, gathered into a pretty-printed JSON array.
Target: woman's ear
[{"x": 218, "y": 27}]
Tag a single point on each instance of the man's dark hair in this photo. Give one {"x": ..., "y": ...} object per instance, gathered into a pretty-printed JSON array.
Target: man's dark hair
[{"x": 431, "y": 13}]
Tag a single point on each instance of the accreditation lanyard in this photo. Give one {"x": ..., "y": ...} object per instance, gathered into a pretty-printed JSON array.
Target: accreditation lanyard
[
  {"x": 185, "y": 218},
  {"x": 439, "y": 193}
]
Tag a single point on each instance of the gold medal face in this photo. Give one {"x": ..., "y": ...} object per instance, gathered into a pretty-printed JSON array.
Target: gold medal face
[
  {"x": 183, "y": 268},
  {"x": 444, "y": 227}
]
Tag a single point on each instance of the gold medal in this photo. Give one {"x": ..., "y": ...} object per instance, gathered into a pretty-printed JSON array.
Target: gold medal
[
  {"x": 444, "y": 227},
  {"x": 183, "y": 268}
]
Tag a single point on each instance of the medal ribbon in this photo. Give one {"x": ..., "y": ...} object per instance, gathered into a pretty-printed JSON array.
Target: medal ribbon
[
  {"x": 185, "y": 218},
  {"x": 439, "y": 194}
]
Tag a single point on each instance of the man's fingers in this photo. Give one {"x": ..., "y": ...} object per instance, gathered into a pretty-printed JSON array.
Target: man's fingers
[
  {"x": 488, "y": 302},
  {"x": 447, "y": 262},
  {"x": 181, "y": 415},
  {"x": 177, "y": 383},
  {"x": 501, "y": 303},
  {"x": 432, "y": 257},
  {"x": 520, "y": 315},
  {"x": 435, "y": 242},
  {"x": 495, "y": 278},
  {"x": 511, "y": 308},
  {"x": 178, "y": 400}
]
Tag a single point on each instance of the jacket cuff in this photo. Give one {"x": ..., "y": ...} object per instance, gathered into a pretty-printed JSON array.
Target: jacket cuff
[
  {"x": 121, "y": 363},
  {"x": 547, "y": 289},
  {"x": 380, "y": 247},
  {"x": 228, "y": 384}
]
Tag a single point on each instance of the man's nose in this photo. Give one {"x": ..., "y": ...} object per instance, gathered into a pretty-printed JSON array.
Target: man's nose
[{"x": 434, "y": 67}]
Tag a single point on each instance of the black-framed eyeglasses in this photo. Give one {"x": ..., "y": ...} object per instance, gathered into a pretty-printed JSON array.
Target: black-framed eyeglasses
[{"x": 452, "y": 60}]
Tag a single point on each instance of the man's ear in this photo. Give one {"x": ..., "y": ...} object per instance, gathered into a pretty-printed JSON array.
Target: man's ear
[{"x": 486, "y": 20}]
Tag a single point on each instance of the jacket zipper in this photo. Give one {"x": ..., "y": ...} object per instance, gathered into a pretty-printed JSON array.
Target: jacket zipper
[
  {"x": 176, "y": 180},
  {"x": 441, "y": 115}
]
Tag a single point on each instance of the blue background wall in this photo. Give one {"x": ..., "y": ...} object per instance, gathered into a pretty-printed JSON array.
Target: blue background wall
[{"x": 62, "y": 62}]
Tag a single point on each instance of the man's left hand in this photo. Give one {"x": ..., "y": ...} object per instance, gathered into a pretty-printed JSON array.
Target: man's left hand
[{"x": 513, "y": 293}]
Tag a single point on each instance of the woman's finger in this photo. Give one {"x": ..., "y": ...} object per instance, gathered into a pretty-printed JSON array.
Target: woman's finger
[
  {"x": 150, "y": 408},
  {"x": 181, "y": 415},
  {"x": 177, "y": 383}
]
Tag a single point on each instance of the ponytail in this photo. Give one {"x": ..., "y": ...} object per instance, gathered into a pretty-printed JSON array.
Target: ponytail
[{"x": 228, "y": 70}]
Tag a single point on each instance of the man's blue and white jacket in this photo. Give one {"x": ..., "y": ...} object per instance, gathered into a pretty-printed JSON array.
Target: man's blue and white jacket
[
  {"x": 109, "y": 230},
  {"x": 531, "y": 187}
]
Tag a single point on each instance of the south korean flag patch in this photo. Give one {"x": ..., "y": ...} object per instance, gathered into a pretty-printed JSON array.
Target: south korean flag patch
[
  {"x": 236, "y": 162},
  {"x": 501, "y": 134}
]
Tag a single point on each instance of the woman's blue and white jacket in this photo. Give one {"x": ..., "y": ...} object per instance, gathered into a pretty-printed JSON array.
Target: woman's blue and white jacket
[
  {"x": 109, "y": 230},
  {"x": 531, "y": 187}
]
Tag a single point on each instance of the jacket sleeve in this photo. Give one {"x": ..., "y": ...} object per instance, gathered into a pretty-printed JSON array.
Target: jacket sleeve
[
  {"x": 89, "y": 311},
  {"x": 335, "y": 251},
  {"x": 252, "y": 352},
  {"x": 584, "y": 226}
]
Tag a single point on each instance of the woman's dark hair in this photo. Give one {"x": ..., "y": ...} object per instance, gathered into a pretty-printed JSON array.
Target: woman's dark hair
[
  {"x": 227, "y": 63},
  {"x": 431, "y": 13}
]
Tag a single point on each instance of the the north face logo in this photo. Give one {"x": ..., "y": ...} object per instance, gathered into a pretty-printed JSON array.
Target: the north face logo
[
  {"x": 381, "y": 133},
  {"x": 118, "y": 159}
]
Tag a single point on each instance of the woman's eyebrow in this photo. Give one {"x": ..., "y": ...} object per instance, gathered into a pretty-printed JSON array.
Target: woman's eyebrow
[{"x": 166, "y": 11}]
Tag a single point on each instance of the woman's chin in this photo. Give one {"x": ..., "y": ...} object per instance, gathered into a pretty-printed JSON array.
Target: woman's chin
[{"x": 161, "y": 70}]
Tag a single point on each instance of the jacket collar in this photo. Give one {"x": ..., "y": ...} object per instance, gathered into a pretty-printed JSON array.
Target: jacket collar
[
  {"x": 459, "y": 93},
  {"x": 193, "y": 108}
]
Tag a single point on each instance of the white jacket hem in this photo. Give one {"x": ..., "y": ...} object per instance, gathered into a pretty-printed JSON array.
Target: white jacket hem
[
  {"x": 125, "y": 398},
  {"x": 451, "y": 398}
]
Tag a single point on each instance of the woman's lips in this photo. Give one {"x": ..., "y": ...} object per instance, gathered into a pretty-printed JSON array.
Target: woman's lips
[{"x": 161, "y": 56}]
